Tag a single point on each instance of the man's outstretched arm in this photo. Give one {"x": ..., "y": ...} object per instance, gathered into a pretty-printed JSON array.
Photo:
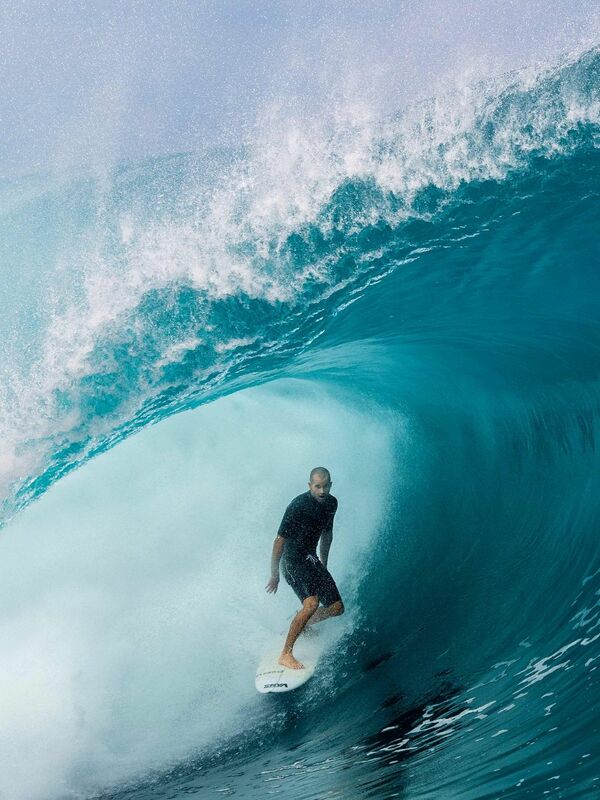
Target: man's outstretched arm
[
  {"x": 324, "y": 545},
  {"x": 275, "y": 559}
]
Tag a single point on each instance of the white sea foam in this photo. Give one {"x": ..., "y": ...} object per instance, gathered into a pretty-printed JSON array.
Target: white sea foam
[{"x": 133, "y": 607}]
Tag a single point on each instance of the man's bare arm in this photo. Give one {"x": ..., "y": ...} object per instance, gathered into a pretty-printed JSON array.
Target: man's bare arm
[
  {"x": 275, "y": 559},
  {"x": 324, "y": 545}
]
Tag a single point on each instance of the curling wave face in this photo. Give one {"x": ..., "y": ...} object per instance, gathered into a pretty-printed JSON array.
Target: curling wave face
[{"x": 414, "y": 301}]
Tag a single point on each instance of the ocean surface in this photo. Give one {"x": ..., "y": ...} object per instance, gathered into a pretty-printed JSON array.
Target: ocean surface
[{"x": 412, "y": 301}]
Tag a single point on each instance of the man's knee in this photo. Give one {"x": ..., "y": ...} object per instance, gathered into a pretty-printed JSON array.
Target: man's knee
[
  {"x": 336, "y": 608},
  {"x": 311, "y": 604}
]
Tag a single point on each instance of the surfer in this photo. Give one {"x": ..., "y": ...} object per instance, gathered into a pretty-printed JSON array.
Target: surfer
[{"x": 307, "y": 520}]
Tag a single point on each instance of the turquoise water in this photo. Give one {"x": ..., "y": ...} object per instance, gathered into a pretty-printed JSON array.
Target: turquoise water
[{"x": 412, "y": 301}]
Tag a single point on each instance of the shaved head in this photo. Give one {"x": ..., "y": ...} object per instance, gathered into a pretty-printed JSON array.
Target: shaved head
[
  {"x": 319, "y": 472},
  {"x": 319, "y": 483}
]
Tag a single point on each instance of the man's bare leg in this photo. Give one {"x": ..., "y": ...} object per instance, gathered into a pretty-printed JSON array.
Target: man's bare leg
[
  {"x": 286, "y": 659},
  {"x": 334, "y": 610}
]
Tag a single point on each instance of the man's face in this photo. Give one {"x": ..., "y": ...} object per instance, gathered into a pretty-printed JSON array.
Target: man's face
[{"x": 319, "y": 487}]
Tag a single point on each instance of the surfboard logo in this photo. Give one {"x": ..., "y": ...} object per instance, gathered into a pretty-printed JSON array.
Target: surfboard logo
[{"x": 275, "y": 685}]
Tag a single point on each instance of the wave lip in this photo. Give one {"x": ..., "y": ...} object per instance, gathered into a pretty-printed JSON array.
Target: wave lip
[{"x": 156, "y": 299}]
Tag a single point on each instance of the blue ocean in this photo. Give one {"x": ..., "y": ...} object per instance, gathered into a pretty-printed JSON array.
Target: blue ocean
[{"x": 411, "y": 300}]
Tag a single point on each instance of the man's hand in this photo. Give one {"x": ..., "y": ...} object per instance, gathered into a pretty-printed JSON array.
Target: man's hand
[
  {"x": 275, "y": 559},
  {"x": 324, "y": 545}
]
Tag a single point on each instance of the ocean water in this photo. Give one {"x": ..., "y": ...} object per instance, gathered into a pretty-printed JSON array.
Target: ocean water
[{"x": 412, "y": 301}]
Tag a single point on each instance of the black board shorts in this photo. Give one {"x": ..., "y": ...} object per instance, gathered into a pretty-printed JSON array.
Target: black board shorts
[{"x": 309, "y": 577}]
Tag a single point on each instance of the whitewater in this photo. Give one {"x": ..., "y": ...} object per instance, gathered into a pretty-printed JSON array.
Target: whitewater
[{"x": 410, "y": 299}]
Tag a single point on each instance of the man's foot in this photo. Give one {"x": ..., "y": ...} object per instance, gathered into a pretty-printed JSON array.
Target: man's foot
[{"x": 288, "y": 660}]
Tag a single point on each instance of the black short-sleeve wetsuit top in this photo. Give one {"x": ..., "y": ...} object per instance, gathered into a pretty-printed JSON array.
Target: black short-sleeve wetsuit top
[{"x": 304, "y": 521}]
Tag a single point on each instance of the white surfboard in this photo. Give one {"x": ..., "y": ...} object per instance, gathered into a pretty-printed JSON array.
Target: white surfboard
[{"x": 273, "y": 677}]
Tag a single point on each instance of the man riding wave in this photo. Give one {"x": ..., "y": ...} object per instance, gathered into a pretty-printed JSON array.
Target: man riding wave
[{"x": 308, "y": 520}]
